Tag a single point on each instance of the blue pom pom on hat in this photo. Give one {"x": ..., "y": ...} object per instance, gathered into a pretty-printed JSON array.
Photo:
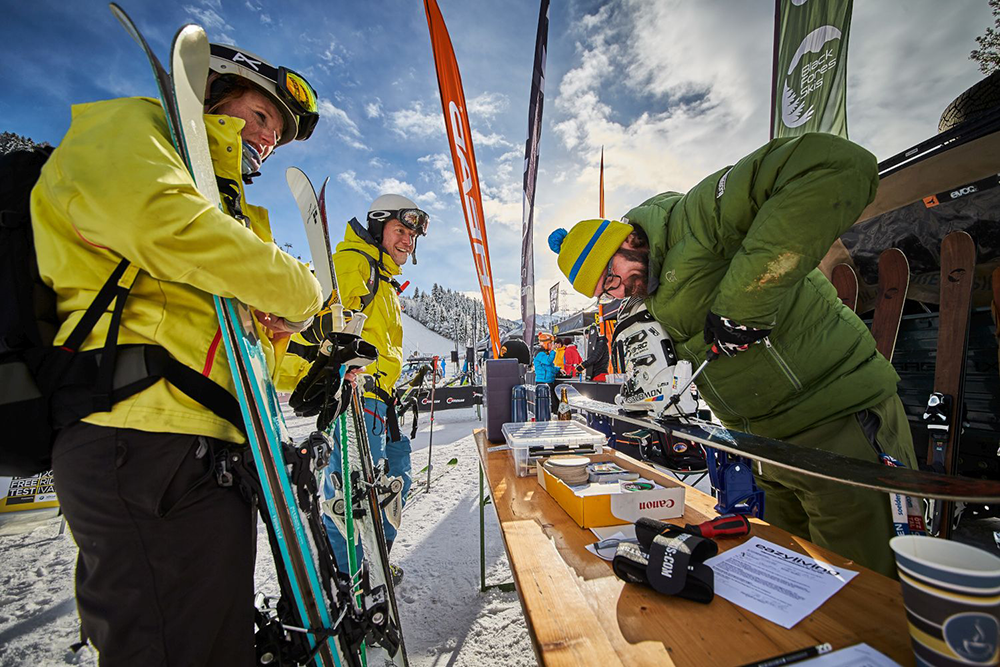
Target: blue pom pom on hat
[{"x": 556, "y": 239}]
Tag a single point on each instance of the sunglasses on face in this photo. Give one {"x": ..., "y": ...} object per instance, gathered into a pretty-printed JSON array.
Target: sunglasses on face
[{"x": 611, "y": 281}]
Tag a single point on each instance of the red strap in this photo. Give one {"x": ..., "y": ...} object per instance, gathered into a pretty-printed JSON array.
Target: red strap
[{"x": 210, "y": 358}]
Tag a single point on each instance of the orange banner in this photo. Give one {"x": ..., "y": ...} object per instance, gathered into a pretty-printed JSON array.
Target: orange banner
[{"x": 456, "y": 120}]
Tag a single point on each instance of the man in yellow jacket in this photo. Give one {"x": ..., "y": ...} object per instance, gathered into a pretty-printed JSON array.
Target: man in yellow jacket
[
  {"x": 166, "y": 563},
  {"x": 367, "y": 262}
]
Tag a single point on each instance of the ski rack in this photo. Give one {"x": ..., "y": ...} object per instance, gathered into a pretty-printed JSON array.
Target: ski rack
[{"x": 958, "y": 135}]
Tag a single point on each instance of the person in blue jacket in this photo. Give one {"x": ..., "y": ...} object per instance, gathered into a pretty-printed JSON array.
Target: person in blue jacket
[{"x": 545, "y": 360}]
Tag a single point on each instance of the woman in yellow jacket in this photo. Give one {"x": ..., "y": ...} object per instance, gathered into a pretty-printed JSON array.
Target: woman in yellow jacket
[{"x": 165, "y": 571}]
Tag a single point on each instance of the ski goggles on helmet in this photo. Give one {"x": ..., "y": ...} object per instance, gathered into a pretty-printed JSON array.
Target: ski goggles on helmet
[
  {"x": 411, "y": 218},
  {"x": 295, "y": 91},
  {"x": 296, "y": 99}
]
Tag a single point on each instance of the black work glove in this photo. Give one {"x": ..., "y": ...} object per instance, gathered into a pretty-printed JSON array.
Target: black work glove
[
  {"x": 321, "y": 392},
  {"x": 730, "y": 337}
]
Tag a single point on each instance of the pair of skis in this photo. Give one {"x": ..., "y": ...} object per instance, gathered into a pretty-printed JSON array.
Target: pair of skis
[
  {"x": 364, "y": 488},
  {"x": 893, "y": 281},
  {"x": 945, "y": 407},
  {"x": 943, "y": 415},
  {"x": 317, "y": 621}
]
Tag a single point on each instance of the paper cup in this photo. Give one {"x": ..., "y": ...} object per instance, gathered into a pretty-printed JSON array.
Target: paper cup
[{"x": 952, "y": 597}]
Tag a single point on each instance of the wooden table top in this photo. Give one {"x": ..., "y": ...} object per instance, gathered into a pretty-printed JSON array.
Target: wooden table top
[{"x": 579, "y": 613}]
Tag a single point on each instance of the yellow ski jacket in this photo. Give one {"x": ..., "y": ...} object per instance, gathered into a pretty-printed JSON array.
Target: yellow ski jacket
[
  {"x": 116, "y": 188},
  {"x": 384, "y": 326}
]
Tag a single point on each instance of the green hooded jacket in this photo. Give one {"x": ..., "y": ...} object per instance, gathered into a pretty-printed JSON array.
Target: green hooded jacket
[{"x": 745, "y": 243}]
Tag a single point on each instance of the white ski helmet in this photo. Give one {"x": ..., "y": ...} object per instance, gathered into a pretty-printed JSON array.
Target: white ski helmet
[
  {"x": 396, "y": 207},
  {"x": 645, "y": 353},
  {"x": 290, "y": 92}
]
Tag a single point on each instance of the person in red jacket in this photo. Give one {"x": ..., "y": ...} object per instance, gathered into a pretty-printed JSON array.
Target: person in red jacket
[{"x": 571, "y": 357}]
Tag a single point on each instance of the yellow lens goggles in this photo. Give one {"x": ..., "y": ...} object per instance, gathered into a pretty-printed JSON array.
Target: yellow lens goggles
[{"x": 298, "y": 91}]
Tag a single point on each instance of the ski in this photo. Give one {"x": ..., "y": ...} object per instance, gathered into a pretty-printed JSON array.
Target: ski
[
  {"x": 806, "y": 460},
  {"x": 366, "y": 489},
  {"x": 311, "y": 624},
  {"x": 893, "y": 280},
  {"x": 846, "y": 282},
  {"x": 944, "y": 412}
]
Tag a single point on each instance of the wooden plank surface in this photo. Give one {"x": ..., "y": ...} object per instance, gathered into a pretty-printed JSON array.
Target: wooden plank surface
[{"x": 579, "y": 613}]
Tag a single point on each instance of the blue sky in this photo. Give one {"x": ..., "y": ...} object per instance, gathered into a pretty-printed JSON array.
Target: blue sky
[{"x": 673, "y": 90}]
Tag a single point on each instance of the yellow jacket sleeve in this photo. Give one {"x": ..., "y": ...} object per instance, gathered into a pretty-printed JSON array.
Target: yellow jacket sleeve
[{"x": 166, "y": 226}]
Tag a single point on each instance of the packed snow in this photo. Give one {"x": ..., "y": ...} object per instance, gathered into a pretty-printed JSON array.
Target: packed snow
[
  {"x": 446, "y": 620},
  {"x": 420, "y": 341}
]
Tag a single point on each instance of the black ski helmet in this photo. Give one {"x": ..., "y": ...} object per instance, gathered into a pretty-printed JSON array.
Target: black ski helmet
[{"x": 289, "y": 91}]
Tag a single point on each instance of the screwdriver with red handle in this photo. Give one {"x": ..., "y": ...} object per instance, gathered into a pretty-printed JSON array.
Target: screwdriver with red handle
[{"x": 727, "y": 525}]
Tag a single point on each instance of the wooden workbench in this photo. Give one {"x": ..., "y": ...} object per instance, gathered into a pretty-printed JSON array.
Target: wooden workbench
[{"x": 579, "y": 613}]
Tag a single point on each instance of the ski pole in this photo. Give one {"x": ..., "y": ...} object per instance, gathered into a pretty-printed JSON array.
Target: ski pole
[
  {"x": 430, "y": 436},
  {"x": 711, "y": 355}
]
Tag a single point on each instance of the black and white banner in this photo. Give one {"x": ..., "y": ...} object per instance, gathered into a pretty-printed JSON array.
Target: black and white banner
[{"x": 531, "y": 173}]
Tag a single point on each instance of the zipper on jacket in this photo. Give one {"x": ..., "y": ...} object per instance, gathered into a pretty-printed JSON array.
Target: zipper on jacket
[{"x": 784, "y": 367}]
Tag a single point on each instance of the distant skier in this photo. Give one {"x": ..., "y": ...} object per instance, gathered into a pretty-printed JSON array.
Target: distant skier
[
  {"x": 733, "y": 262},
  {"x": 166, "y": 563},
  {"x": 571, "y": 358},
  {"x": 367, "y": 262}
]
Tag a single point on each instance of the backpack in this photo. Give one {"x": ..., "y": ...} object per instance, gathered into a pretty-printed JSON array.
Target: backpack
[{"x": 42, "y": 387}]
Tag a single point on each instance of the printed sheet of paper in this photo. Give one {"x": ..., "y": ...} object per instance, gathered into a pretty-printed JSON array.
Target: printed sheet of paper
[{"x": 775, "y": 583}]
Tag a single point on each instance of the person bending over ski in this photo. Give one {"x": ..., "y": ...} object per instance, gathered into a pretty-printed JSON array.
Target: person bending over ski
[
  {"x": 733, "y": 263},
  {"x": 366, "y": 262},
  {"x": 166, "y": 561}
]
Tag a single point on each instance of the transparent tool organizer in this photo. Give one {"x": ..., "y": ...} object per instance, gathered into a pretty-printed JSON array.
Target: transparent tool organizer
[{"x": 530, "y": 441}]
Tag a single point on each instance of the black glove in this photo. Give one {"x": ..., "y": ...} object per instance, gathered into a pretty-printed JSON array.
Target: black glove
[
  {"x": 322, "y": 325},
  {"x": 321, "y": 391},
  {"x": 730, "y": 337}
]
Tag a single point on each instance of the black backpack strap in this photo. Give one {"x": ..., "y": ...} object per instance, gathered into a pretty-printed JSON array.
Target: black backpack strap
[
  {"x": 97, "y": 307},
  {"x": 195, "y": 386},
  {"x": 106, "y": 371},
  {"x": 375, "y": 279},
  {"x": 126, "y": 370}
]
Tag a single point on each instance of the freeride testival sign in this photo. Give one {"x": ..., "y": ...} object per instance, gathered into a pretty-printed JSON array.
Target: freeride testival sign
[{"x": 809, "y": 85}]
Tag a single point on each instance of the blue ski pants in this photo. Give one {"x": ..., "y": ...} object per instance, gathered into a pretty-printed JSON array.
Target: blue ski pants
[{"x": 398, "y": 455}]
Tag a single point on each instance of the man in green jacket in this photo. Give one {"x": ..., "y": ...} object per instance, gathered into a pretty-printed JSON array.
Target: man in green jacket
[{"x": 733, "y": 263}]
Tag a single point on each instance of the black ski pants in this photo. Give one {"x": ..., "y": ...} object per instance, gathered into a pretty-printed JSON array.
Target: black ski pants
[{"x": 166, "y": 563}]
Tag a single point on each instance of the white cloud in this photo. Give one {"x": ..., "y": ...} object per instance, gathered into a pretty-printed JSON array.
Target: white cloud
[
  {"x": 371, "y": 188},
  {"x": 265, "y": 19},
  {"x": 487, "y": 106},
  {"x": 377, "y": 163},
  {"x": 415, "y": 122},
  {"x": 492, "y": 140},
  {"x": 346, "y": 128},
  {"x": 441, "y": 167},
  {"x": 374, "y": 109},
  {"x": 209, "y": 18}
]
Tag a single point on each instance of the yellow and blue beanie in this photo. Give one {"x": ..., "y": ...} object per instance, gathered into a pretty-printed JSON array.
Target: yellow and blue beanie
[{"x": 585, "y": 250}]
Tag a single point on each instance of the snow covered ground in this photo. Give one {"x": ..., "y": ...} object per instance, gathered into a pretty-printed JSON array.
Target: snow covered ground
[
  {"x": 446, "y": 620},
  {"x": 421, "y": 341}
]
